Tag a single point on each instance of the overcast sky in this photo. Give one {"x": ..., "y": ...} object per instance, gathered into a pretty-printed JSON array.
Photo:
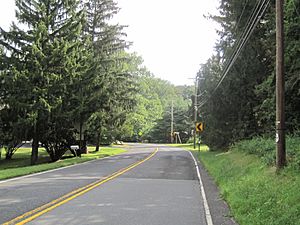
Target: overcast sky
[{"x": 172, "y": 36}]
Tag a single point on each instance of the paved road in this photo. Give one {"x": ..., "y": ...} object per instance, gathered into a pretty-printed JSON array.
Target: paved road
[{"x": 162, "y": 190}]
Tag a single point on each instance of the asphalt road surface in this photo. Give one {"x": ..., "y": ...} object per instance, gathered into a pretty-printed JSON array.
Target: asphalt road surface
[{"x": 150, "y": 184}]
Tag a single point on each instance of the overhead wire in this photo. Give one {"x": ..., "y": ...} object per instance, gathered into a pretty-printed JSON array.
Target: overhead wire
[
  {"x": 252, "y": 22},
  {"x": 251, "y": 17},
  {"x": 242, "y": 42},
  {"x": 240, "y": 17}
]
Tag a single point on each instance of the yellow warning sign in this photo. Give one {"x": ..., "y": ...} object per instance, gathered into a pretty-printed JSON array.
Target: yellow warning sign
[{"x": 199, "y": 126}]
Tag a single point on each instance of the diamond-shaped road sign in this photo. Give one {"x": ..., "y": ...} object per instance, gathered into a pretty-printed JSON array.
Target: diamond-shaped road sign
[{"x": 199, "y": 127}]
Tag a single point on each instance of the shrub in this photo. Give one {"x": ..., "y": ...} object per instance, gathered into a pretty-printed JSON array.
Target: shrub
[{"x": 265, "y": 148}]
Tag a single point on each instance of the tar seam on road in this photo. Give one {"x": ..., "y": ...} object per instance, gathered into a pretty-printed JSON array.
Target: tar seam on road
[
  {"x": 206, "y": 207},
  {"x": 33, "y": 214}
]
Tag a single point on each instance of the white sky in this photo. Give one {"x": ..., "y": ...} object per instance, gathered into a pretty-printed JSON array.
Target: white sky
[{"x": 172, "y": 36}]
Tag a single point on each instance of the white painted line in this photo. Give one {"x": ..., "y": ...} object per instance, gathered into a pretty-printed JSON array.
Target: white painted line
[{"x": 206, "y": 207}]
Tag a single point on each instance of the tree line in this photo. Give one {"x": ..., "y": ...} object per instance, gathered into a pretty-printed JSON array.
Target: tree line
[
  {"x": 63, "y": 68},
  {"x": 243, "y": 106},
  {"x": 150, "y": 119},
  {"x": 66, "y": 77}
]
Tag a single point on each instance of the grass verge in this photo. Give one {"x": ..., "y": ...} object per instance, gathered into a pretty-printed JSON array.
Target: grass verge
[
  {"x": 256, "y": 194},
  {"x": 20, "y": 164}
]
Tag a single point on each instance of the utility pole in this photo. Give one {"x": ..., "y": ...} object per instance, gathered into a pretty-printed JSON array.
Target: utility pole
[
  {"x": 195, "y": 110},
  {"x": 172, "y": 121},
  {"x": 280, "y": 115}
]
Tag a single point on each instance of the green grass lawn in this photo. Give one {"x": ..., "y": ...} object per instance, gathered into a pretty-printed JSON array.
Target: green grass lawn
[
  {"x": 20, "y": 163},
  {"x": 256, "y": 194}
]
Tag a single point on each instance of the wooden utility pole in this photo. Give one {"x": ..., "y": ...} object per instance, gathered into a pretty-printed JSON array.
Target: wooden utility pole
[
  {"x": 172, "y": 121},
  {"x": 280, "y": 117},
  {"x": 195, "y": 110}
]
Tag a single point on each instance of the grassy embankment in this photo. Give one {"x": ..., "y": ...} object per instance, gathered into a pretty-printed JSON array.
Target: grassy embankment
[
  {"x": 20, "y": 164},
  {"x": 248, "y": 181}
]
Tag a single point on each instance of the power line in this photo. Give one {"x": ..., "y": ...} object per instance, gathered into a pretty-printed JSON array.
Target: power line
[
  {"x": 251, "y": 17},
  {"x": 243, "y": 39},
  {"x": 240, "y": 17},
  {"x": 252, "y": 22}
]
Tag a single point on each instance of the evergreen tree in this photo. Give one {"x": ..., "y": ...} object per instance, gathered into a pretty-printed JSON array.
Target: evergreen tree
[
  {"x": 43, "y": 62},
  {"x": 230, "y": 111},
  {"x": 110, "y": 79},
  {"x": 243, "y": 105}
]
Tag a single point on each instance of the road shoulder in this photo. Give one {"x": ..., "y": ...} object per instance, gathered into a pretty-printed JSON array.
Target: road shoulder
[{"x": 219, "y": 209}]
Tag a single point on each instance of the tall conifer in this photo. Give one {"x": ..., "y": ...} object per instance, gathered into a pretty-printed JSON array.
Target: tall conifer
[
  {"x": 42, "y": 61},
  {"x": 109, "y": 77}
]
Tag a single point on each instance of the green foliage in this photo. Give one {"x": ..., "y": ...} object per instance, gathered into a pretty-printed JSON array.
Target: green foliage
[
  {"x": 64, "y": 69},
  {"x": 265, "y": 149},
  {"x": 292, "y": 64},
  {"x": 115, "y": 101},
  {"x": 150, "y": 119},
  {"x": 42, "y": 63},
  {"x": 182, "y": 124},
  {"x": 148, "y": 107},
  {"x": 261, "y": 147},
  {"x": 243, "y": 106},
  {"x": 108, "y": 97},
  {"x": 11, "y": 131}
]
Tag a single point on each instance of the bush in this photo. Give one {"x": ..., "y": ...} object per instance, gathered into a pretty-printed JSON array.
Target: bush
[{"x": 265, "y": 148}]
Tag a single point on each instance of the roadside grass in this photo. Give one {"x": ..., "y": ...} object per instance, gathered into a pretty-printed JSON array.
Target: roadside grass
[
  {"x": 19, "y": 165},
  {"x": 190, "y": 146},
  {"x": 256, "y": 194},
  {"x": 264, "y": 148}
]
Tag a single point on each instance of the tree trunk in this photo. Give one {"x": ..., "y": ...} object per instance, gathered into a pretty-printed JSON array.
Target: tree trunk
[
  {"x": 35, "y": 147},
  {"x": 98, "y": 143},
  {"x": 80, "y": 135},
  {"x": 82, "y": 142},
  {"x": 8, "y": 155}
]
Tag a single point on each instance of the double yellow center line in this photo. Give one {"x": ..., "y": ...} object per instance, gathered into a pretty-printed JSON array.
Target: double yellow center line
[{"x": 33, "y": 214}]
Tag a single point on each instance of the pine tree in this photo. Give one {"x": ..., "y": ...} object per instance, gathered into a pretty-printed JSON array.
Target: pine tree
[
  {"x": 110, "y": 82},
  {"x": 43, "y": 61},
  {"x": 243, "y": 106},
  {"x": 231, "y": 109}
]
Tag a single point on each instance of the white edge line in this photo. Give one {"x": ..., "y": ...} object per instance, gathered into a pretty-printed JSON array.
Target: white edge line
[
  {"x": 206, "y": 207},
  {"x": 52, "y": 170}
]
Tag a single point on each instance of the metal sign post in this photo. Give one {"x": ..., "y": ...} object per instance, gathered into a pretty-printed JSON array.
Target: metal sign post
[{"x": 199, "y": 143}]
